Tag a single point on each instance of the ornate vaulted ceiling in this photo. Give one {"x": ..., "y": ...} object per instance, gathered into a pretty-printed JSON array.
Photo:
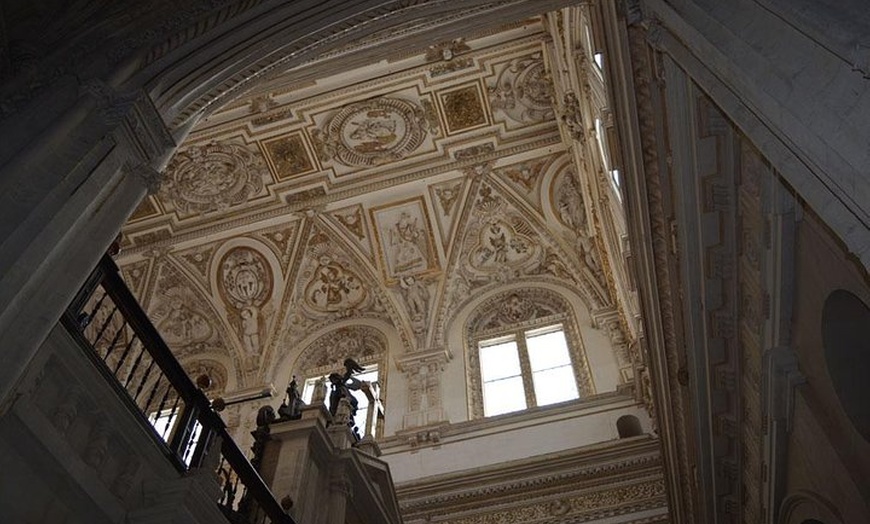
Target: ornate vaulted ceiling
[{"x": 391, "y": 193}]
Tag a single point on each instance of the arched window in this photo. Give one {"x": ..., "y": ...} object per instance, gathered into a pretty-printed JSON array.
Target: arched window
[
  {"x": 524, "y": 351},
  {"x": 368, "y": 347},
  {"x": 846, "y": 337}
]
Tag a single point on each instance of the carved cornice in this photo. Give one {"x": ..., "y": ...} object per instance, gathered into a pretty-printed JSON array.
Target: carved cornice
[{"x": 576, "y": 481}]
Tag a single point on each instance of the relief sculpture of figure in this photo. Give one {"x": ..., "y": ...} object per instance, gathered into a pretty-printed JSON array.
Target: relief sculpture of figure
[
  {"x": 405, "y": 238},
  {"x": 250, "y": 329}
]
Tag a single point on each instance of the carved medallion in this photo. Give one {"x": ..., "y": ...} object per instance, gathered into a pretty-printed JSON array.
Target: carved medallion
[
  {"x": 333, "y": 287},
  {"x": 245, "y": 277},
  {"x": 373, "y": 132},
  {"x": 500, "y": 244},
  {"x": 524, "y": 91},
  {"x": 213, "y": 176}
]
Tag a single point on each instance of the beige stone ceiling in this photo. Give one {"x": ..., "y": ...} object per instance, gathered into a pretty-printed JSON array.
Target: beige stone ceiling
[{"x": 388, "y": 194}]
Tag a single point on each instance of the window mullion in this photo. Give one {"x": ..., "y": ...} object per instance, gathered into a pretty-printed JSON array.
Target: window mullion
[{"x": 526, "y": 367}]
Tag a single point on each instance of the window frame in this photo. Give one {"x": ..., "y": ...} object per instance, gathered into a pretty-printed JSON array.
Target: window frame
[{"x": 579, "y": 363}]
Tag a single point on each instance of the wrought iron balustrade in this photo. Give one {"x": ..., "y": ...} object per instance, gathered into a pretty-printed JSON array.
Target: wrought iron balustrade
[{"x": 109, "y": 324}]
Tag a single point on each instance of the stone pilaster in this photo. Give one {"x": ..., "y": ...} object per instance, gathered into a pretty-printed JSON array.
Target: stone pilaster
[{"x": 423, "y": 372}]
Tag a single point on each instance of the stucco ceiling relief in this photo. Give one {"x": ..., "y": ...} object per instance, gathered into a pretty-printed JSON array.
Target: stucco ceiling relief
[
  {"x": 463, "y": 108},
  {"x": 351, "y": 222},
  {"x": 374, "y": 132},
  {"x": 447, "y": 202},
  {"x": 136, "y": 277},
  {"x": 569, "y": 208},
  {"x": 245, "y": 285},
  {"x": 212, "y": 177},
  {"x": 185, "y": 318},
  {"x": 290, "y": 156},
  {"x": 446, "y": 57},
  {"x": 525, "y": 179},
  {"x": 523, "y": 90},
  {"x": 331, "y": 284},
  {"x": 197, "y": 259},
  {"x": 406, "y": 244},
  {"x": 282, "y": 241},
  {"x": 364, "y": 344}
]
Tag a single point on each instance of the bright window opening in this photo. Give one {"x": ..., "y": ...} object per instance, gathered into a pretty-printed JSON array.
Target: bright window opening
[
  {"x": 599, "y": 60},
  {"x": 164, "y": 424},
  {"x": 532, "y": 364}
]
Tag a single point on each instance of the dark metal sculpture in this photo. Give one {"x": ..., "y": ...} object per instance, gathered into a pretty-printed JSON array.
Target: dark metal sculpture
[
  {"x": 291, "y": 409},
  {"x": 342, "y": 385}
]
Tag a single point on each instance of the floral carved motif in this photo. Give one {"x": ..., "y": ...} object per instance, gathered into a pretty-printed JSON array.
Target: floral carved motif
[{"x": 213, "y": 176}]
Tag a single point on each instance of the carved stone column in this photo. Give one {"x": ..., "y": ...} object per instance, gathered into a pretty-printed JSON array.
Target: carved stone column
[{"x": 425, "y": 410}]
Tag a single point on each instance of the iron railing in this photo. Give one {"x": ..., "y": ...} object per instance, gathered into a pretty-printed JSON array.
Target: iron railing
[{"x": 108, "y": 322}]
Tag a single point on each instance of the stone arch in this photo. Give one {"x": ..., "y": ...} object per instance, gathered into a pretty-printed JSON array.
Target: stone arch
[
  {"x": 802, "y": 506},
  {"x": 365, "y": 344}
]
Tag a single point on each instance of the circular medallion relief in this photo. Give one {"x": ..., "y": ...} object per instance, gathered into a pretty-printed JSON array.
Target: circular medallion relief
[
  {"x": 333, "y": 287},
  {"x": 375, "y": 131},
  {"x": 245, "y": 278},
  {"x": 213, "y": 176}
]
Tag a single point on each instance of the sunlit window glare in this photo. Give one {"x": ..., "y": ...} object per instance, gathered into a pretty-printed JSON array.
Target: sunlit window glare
[
  {"x": 502, "y": 378},
  {"x": 549, "y": 360}
]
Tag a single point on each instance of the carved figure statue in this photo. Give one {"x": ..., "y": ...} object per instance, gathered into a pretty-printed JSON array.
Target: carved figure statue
[
  {"x": 342, "y": 385},
  {"x": 292, "y": 408}
]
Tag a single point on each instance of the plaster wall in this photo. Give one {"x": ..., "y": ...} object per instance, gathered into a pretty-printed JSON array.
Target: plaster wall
[{"x": 827, "y": 455}]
